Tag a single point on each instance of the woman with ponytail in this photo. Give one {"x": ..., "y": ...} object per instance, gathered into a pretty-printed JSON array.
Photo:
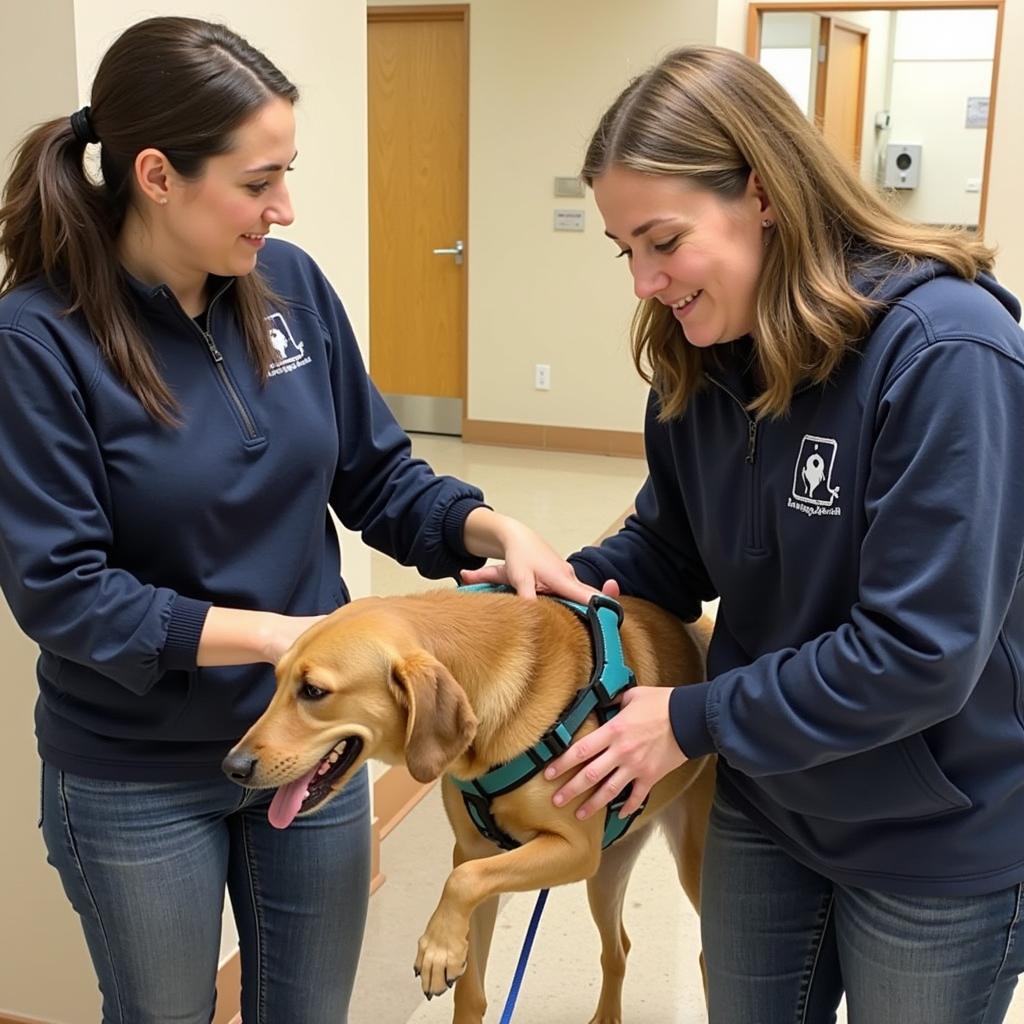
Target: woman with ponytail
[{"x": 181, "y": 402}]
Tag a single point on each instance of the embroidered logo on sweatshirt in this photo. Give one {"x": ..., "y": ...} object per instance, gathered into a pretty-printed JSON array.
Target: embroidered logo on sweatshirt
[
  {"x": 813, "y": 493},
  {"x": 291, "y": 354}
]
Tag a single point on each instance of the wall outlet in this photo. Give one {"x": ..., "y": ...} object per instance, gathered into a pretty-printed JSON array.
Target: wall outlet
[
  {"x": 973, "y": 185},
  {"x": 542, "y": 377}
]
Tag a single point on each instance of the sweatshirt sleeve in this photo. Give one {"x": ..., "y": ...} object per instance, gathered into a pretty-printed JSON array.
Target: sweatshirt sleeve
[
  {"x": 940, "y": 563},
  {"x": 56, "y": 533},
  {"x": 654, "y": 555},
  {"x": 396, "y": 502}
]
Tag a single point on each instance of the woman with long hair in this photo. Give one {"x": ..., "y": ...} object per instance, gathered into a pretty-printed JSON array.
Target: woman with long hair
[
  {"x": 182, "y": 401},
  {"x": 832, "y": 438}
]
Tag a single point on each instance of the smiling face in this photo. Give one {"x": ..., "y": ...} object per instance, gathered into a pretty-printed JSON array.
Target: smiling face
[
  {"x": 178, "y": 230},
  {"x": 689, "y": 248},
  {"x": 218, "y": 223}
]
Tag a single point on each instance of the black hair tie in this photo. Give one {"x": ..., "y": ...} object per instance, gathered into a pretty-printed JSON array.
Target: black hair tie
[{"x": 81, "y": 125}]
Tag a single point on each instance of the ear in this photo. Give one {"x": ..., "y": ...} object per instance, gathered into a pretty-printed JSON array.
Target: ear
[
  {"x": 153, "y": 174},
  {"x": 441, "y": 723},
  {"x": 755, "y": 190}
]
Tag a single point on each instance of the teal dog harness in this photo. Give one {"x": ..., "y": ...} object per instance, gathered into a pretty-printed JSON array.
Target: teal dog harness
[{"x": 611, "y": 677}]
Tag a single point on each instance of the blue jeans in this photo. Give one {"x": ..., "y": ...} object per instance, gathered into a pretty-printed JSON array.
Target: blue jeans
[
  {"x": 145, "y": 864},
  {"x": 782, "y": 943}
]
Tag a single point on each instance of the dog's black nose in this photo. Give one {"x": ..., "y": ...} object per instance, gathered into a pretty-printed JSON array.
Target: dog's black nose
[{"x": 239, "y": 767}]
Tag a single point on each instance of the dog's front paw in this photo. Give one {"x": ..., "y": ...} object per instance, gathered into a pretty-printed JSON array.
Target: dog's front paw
[{"x": 441, "y": 959}]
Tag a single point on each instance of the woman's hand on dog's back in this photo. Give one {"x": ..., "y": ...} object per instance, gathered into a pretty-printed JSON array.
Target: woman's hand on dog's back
[{"x": 531, "y": 566}]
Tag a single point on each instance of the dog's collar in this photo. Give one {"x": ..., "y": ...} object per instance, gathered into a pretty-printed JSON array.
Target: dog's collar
[{"x": 610, "y": 678}]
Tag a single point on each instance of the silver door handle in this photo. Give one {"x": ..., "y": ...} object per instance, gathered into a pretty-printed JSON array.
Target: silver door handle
[{"x": 456, "y": 250}]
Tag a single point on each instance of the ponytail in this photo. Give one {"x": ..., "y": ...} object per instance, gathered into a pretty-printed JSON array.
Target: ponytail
[
  {"x": 182, "y": 86},
  {"x": 58, "y": 225}
]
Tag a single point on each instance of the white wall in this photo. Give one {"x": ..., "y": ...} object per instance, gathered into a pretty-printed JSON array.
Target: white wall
[
  {"x": 789, "y": 51},
  {"x": 44, "y": 972},
  {"x": 940, "y": 58},
  {"x": 929, "y": 100}
]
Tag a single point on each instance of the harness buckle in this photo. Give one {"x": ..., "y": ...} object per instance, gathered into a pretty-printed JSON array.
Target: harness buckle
[{"x": 557, "y": 740}]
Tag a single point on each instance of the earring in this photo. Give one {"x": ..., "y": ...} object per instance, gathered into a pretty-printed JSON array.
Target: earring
[{"x": 766, "y": 223}]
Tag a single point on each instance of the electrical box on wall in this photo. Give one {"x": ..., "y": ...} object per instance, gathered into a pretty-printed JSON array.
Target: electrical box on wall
[{"x": 902, "y": 165}]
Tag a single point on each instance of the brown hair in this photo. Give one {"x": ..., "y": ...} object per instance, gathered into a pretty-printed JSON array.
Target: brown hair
[
  {"x": 712, "y": 116},
  {"x": 181, "y": 86}
]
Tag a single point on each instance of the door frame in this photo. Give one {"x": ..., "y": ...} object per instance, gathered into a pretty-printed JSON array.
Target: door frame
[
  {"x": 821, "y": 88},
  {"x": 756, "y": 9},
  {"x": 460, "y": 13}
]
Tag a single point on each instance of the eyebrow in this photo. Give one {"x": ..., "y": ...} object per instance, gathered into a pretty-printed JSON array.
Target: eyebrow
[
  {"x": 270, "y": 167},
  {"x": 646, "y": 226}
]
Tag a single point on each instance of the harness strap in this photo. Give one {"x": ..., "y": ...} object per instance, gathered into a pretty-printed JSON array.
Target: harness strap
[{"x": 610, "y": 678}]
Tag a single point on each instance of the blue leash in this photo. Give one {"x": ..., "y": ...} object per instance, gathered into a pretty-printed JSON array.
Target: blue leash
[{"x": 524, "y": 956}]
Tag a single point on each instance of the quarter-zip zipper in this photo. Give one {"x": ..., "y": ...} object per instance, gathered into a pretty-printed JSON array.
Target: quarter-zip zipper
[
  {"x": 236, "y": 400},
  {"x": 754, "y": 531},
  {"x": 229, "y": 385}
]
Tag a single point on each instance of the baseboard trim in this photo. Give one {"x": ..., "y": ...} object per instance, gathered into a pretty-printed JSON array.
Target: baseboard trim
[{"x": 624, "y": 443}]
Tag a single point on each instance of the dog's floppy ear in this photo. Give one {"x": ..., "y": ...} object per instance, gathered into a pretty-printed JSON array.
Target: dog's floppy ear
[{"x": 441, "y": 723}]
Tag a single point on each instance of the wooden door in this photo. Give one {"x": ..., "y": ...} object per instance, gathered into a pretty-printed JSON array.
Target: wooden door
[
  {"x": 417, "y": 66},
  {"x": 839, "y": 104}
]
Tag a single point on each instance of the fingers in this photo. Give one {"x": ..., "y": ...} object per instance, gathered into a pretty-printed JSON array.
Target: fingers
[
  {"x": 636, "y": 799},
  {"x": 586, "y": 778},
  {"x": 486, "y": 574},
  {"x": 611, "y": 588},
  {"x": 524, "y": 584},
  {"x": 579, "y": 752}
]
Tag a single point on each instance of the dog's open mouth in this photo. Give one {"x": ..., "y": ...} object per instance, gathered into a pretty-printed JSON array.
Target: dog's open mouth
[{"x": 315, "y": 786}]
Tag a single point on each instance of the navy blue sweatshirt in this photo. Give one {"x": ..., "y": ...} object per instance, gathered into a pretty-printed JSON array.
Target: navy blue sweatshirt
[
  {"x": 866, "y": 693},
  {"x": 118, "y": 533}
]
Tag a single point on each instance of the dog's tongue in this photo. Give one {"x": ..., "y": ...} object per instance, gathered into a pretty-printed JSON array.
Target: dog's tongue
[{"x": 288, "y": 799}]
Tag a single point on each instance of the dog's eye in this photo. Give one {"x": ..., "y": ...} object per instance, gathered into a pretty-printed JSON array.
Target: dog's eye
[{"x": 310, "y": 692}]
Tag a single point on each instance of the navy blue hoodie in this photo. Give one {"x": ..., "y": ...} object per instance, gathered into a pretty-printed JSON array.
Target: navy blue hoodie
[
  {"x": 118, "y": 533},
  {"x": 865, "y": 696}
]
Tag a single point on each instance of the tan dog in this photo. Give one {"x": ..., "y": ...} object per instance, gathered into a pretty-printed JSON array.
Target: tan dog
[{"x": 460, "y": 682}]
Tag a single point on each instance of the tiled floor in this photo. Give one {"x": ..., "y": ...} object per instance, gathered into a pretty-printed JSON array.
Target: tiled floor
[{"x": 570, "y": 499}]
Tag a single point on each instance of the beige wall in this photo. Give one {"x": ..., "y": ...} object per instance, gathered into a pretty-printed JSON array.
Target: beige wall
[
  {"x": 322, "y": 47},
  {"x": 536, "y": 295},
  {"x": 541, "y": 73},
  {"x": 39, "y": 929},
  {"x": 1004, "y": 221}
]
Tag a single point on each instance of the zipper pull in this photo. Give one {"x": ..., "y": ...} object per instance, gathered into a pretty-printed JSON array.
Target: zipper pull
[
  {"x": 212, "y": 346},
  {"x": 751, "y": 440}
]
